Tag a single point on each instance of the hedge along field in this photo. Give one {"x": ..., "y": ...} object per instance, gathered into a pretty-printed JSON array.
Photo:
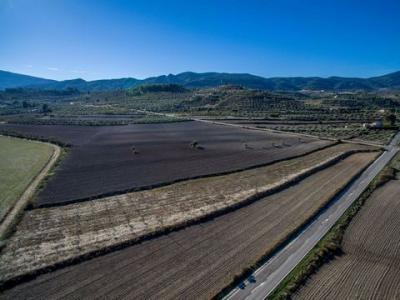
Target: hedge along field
[
  {"x": 198, "y": 261},
  {"x": 110, "y": 159},
  {"x": 20, "y": 161},
  {"x": 370, "y": 265},
  {"x": 48, "y": 236}
]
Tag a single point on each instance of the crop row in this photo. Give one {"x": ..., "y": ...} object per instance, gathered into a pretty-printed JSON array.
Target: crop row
[
  {"x": 198, "y": 261},
  {"x": 369, "y": 265},
  {"x": 50, "y": 235}
]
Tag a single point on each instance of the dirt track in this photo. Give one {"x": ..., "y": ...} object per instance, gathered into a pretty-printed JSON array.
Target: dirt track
[
  {"x": 370, "y": 266},
  {"x": 199, "y": 261}
]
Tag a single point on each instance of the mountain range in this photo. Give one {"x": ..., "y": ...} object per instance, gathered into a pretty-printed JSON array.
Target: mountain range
[{"x": 209, "y": 79}]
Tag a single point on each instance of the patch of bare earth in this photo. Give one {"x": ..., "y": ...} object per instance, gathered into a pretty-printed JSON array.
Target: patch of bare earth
[
  {"x": 200, "y": 260},
  {"x": 370, "y": 265}
]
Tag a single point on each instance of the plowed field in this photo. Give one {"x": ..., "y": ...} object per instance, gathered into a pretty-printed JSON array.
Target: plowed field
[
  {"x": 370, "y": 266},
  {"x": 50, "y": 235},
  {"x": 198, "y": 261},
  {"x": 102, "y": 161}
]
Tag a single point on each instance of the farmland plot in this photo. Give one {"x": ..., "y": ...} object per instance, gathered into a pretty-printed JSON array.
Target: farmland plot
[
  {"x": 370, "y": 265},
  {"x": 198, "y": 261},
  {"x": 105, "y": 160},
  {"x": 49, "y": 235},
  {"x": 20, "y": 162}
]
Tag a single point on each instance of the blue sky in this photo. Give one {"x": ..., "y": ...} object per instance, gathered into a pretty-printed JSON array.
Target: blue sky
[{"x": 63, "y": 39}]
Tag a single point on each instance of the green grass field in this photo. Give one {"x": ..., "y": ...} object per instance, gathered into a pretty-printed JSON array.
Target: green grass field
[{"x": 20, "y": 161}]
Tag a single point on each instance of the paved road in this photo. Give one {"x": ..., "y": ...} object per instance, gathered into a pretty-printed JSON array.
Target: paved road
[{"x": 268, "y": 277}]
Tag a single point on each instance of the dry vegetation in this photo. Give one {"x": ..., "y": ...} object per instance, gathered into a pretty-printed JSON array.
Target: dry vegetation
[
  {"x": 51, "y": 235},
  {"x": 370, "y": 265},
  {"x": 194, "y": 263}
]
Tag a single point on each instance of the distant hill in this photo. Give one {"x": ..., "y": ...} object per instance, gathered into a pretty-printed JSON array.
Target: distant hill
[
  {"x": 210, "y": 79},
  {"x": 13, "y": 80},
  {"x": 156, "y": 88},
  {"x": 391, "y": 80},
  {"x": 95, "y": 85}
]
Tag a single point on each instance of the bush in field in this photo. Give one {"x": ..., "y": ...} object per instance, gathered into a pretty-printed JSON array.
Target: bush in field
[
  {"x": 134, "y": 150},
  {"x": 195, "y": 145}
]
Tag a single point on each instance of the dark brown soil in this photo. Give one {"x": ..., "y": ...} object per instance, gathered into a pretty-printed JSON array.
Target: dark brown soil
[{"x": 102, "y": 160}]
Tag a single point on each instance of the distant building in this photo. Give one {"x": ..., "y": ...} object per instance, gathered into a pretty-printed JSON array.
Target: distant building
[{"x": 377, "y": 124}]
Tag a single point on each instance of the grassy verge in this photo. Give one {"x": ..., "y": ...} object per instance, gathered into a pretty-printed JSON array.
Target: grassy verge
[
  {"x": 11, "y": 228},
  {"x": 20, "y": 162},
  {"x": 330, "y": 245}
]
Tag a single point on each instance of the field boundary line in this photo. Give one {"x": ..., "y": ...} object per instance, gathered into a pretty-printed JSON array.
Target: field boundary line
[
  {"x": 360, "y": 142},
  {"x": 9, "y": 283},
  {"x": 14, "y": 134},
  {"x": 27, "y": 195}
]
